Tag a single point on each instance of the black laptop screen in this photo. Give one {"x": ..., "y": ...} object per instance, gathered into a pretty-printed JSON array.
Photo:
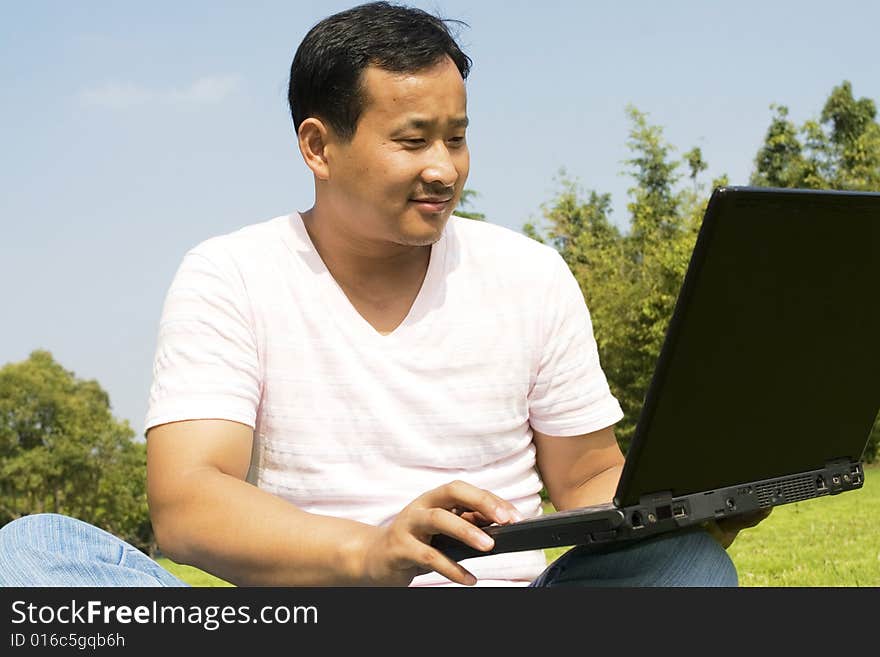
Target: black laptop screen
[{"x": 771, "y": 364}]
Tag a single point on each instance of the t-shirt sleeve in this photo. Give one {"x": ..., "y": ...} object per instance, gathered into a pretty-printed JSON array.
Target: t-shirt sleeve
[
  {"x": 570, "y": 395},
  {"x": 206, "y": 364}
]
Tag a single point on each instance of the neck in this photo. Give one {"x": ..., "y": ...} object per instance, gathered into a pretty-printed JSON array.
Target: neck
[{"x": 357, "y": 262}]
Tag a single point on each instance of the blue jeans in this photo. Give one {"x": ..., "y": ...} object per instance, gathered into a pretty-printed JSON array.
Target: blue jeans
[{"x": 54, "y": 550}]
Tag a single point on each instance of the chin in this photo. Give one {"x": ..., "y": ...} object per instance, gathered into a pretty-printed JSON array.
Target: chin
[
  {"x": 419, "y": 240},
  {"x": 423, "y": 234}
]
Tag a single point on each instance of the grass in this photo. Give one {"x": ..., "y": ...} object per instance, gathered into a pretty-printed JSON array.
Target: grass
[
  {"x": 832, "y": 541},
  {"x": 190, "y": 575}
]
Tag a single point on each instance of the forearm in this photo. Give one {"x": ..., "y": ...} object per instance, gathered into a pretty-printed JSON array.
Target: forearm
[
  {"x": 251, "y": 538},
  {"x": 598, "y": 489}
]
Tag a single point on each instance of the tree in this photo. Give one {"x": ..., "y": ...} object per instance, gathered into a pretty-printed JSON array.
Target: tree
[
  {"x": 630, "y": 280},
  {"x": 853, "y": 137},
  {"x": 62, "y": 451},
  {"x": 467, "y": 195},
  {"x": 781, "y": 161},
  {"x": 696, "y": 164},
  {"x": 839, "y": 151}
]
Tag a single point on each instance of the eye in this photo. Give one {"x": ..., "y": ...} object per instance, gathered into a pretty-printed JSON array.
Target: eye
[
  {"x": 414, "y": 142},
  {"x": 456, "y": 141}
]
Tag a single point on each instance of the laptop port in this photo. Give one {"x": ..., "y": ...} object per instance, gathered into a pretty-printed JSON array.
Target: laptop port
[
  {"x": 820, "y": 483},
  {"x": 731, "y": 504},
  {"x": 636, "y": 520},
  {"x": 856, "y": 475},
  {"x": 679, "y": 511}
]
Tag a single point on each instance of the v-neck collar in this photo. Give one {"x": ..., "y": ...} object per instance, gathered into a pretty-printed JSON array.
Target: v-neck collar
[{"x": 337, "y": 302}]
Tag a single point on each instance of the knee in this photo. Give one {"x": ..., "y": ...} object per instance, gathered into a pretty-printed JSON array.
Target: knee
[
  {"x": 19, "y": 540},
  {"x": 27, "y": 531},
  {"x": 40, "y": 533},
  {"x": 688, "y": 559},
  {"x": 36, "y": 550},
  {"x": 699, "y": 560},
  {"x": 37, "y": 524}
]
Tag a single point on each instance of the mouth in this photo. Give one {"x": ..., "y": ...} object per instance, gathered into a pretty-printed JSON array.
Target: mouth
[{"x": 432, "y": 204}]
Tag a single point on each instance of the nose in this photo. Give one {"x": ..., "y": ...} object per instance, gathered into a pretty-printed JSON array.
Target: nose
[{"x": 440, "y": 167}]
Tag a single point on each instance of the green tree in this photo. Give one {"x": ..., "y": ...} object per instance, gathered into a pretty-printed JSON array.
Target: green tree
[
  {"x": 854, "y": 140},
  {"x": 840, "y": 150},
  {"x": 62, "y": 451},
  {"x": 664, "y": 220},
  {"x": 630, "y": 280},
  {"x": 467, "y": 196},
  {"x": 696, "y": 164},
  {"x": 781, "y": 161},
  {"x": 654, "y": 205}
]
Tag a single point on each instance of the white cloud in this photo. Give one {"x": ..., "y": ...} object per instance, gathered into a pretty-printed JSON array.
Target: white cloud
[
  {"x": 122, "y": 95},
  {"x": 117, "y": 95},
  {"x": 210, "y": 89}
]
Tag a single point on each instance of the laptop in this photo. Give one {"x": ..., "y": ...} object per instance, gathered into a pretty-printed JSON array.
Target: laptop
[{"x": 766, "y": 387}]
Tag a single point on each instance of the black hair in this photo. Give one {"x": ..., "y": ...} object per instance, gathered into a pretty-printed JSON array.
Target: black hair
[{"x": 326, "y": 73}]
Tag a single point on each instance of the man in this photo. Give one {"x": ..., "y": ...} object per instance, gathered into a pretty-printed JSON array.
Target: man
[{"x": 333, "y": 388}]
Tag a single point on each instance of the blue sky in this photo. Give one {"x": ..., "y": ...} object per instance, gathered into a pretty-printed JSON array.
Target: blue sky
[{"x": 132, "y": 131}]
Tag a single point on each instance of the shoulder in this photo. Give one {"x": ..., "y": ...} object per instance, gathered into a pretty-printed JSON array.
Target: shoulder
[
  {"x": 233, "y": 250},
  {"x": 242, "y": 241},
  {"x": 493, "y": 245}
]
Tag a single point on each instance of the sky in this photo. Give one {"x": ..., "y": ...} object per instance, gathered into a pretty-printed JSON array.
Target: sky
[{"x": 130, "y": 132}]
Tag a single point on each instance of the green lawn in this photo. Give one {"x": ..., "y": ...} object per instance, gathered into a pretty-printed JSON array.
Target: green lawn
[
  {"x": 190, "y": 575},
  {"x": 832, "y": 541}
]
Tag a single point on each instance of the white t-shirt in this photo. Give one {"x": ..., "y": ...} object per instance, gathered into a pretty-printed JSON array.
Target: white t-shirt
[{"x": 352, "y": 423}]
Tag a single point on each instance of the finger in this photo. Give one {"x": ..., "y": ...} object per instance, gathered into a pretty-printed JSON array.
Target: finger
[
  {"x": 476, "y": 518},
  {"x": 461, "y": 495},
  {"x": 723, "y": 536},
  {"x": 746, "y": 520},
  {"x": 473, "y": 517},
  {"x": 428, "y": 522},
  {"x": 429, "y": 559},
  {"x": 752, "y": 521}
]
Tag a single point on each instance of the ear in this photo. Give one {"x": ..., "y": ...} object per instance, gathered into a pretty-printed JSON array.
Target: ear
[{"x": 313, "y": 138}]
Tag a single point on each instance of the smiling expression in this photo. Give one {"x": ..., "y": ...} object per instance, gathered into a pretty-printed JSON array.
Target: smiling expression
[{"x": 402, "y": 173}]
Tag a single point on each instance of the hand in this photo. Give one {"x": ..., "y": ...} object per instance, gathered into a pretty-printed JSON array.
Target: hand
[
  {"x": 395, "y": 554},
  {"x": 725, "y": 530}
]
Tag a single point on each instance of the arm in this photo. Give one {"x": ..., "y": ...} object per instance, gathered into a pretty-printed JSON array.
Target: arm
[
  {"x": 579, "y": 470},
  {"x": 205, "y": 514}
]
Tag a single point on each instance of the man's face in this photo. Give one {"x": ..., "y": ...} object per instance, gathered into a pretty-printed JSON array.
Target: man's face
[{"x": 401, "y": 175}]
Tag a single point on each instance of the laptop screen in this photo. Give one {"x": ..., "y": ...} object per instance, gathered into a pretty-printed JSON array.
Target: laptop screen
[{"x": 771, "y": 363}]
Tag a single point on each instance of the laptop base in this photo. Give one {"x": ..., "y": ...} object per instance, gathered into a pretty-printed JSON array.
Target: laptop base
[{"x": 658, "y": 513}]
